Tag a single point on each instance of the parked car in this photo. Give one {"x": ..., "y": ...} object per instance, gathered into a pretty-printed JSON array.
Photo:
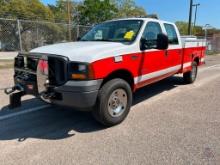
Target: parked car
[{"x": 106, "y": 66}]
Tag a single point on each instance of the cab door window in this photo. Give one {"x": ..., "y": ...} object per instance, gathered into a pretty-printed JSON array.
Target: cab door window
[{"x": 151, "y": 31}]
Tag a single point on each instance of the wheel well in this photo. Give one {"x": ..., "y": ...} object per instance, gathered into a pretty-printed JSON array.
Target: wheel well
[
  {"x": 197, "y": 60},
  {"x": 123, "y": 74}
]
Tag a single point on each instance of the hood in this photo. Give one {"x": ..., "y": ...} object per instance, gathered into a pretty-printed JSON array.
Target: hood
[{"x": 84, "y": 51}]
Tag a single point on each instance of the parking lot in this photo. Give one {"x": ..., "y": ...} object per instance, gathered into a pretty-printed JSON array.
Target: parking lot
[{"x": 170, "y": 123}]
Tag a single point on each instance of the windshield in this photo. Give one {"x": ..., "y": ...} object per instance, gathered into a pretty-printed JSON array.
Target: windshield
[{"x": 114, "y": 31}]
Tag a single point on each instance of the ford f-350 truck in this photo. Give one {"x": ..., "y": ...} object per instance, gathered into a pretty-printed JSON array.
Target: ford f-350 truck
[{"x": 103, "y": 69}]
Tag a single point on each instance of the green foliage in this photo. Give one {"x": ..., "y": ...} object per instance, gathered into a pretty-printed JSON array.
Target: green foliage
[
  {"x": 25, "y": 9},
  {"x": 197, "y": 30},
  {"x": 128, "y": 8},
  {"x": 60, "y": 11},
  {"x": 93, "y": 12},
  {"x": 183, "y": 27},
  {"x": 87, "y": 12},
  {"x": 31, "y": 10}
]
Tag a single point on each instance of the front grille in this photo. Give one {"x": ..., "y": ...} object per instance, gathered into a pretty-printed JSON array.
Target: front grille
[
  {"x": 57, "y": 67},
  {"x": 32, "y": 63},
  {"x": 57, "y": 70},
  {"x": 28, "y": 63},
  {"x": 19, "y": 62}
]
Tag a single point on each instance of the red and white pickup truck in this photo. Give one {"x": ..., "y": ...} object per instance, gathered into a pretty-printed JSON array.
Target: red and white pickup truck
[{"x": 106, "y": 66}]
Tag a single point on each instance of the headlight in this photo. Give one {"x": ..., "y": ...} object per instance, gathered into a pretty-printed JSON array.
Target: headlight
[{"x": 80, "y": 71}]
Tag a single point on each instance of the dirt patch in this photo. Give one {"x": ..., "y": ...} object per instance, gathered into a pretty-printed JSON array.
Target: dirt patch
[{"x": 4, "y": 64}]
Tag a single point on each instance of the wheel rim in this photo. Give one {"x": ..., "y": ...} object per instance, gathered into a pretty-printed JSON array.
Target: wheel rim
[
  {"x": 117, "y": 102},
  {"x": 194, "y": 72}
]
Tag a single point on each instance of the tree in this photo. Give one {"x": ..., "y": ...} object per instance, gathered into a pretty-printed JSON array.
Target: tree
[
  {"x": 197, "y": 30},
  {"x": 60, "y": 10},
  {"x": 25, "y": 9},
  {"x": 93, "y": 12},
  {"x": 128, "y": 8},
  {"x": 32, "y": 32},
  {"x": 183, "y": 28}
]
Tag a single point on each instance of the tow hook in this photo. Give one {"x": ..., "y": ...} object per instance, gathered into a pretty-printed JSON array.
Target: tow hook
[
  {"x": 15, "y": 97},
  {"x": 10, "y": 90},
  {"x": 49, "y": 95}
]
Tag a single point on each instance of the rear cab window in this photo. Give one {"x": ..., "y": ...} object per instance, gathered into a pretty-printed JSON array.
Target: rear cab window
[{"x": 172, "y": 34}]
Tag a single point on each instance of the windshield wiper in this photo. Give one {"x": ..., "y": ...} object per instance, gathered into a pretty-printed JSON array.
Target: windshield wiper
[
  {"x": 105, "y": 40},
  {"x": 83, "y": 40}
]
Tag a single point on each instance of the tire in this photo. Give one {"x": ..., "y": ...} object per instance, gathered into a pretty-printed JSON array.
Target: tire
[
  {"x": 190, "y": 77},
  {"x": 113, "y": 103}
]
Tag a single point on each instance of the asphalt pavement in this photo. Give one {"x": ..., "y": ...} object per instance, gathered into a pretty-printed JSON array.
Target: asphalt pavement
[{"x": 170, "y": 123}]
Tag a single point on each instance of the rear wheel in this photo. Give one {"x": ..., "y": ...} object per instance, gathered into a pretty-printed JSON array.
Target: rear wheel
[
  {"x": 113, "y": 103},
  {"x": 190, "y": 77}
]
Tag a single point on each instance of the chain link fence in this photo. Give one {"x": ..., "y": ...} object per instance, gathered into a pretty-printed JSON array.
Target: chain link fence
[
  {"x": 24, "y": 35},
  {"x": 213, "y": 44}
]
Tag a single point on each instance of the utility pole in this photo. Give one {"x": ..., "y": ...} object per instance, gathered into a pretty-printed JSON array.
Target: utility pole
[
  {"x": 195, "y": 5},
  {"x": 19, "y": 35},
  {"x": 190, "y": 18},
  {"x": 206, "y": 27},
  {"x": 69, "y": 19}
]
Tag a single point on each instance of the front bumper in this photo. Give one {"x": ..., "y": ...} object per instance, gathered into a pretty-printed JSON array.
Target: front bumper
[
  {"x": 77, "y": 94},
  {"x": 58, "y": 90}
]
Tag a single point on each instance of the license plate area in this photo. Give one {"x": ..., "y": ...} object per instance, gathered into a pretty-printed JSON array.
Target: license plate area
[{"x": 29, "y": 86}]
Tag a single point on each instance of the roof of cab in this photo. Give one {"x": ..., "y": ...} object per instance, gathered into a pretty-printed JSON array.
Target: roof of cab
[{"x": 140, "y": 18}]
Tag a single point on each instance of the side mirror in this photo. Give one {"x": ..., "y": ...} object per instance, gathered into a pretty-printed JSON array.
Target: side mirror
[{"x": 162, "y": 42}]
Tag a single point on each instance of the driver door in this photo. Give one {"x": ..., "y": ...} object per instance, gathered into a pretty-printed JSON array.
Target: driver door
[{"x": 153, "y": 60}]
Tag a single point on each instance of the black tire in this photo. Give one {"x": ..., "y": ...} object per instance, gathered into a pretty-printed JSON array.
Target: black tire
[
  {"x": 107, "y": 95},
  {"x": 190, "y": 77}
]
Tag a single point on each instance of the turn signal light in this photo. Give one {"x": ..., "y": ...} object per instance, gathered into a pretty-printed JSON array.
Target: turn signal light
[{"x": 79, "y": 76}]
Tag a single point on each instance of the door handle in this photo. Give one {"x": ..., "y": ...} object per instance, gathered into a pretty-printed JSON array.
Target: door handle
[
  {"x": 134, "y": 57},
  {"x": 166, "y": 53}
]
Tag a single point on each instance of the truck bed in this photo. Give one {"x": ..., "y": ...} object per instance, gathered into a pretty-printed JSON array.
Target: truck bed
[
  {"x": 192, "y": 41},
  {"x": 192, "y": 47}
]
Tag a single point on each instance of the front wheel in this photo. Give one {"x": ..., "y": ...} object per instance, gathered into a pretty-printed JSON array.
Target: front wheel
[
  {"x": 190, "y": 77},
  {"x": 113, "y": 103}
]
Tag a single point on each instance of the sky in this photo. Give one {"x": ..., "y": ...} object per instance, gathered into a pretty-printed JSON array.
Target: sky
[{"x": 178, "y": 10}]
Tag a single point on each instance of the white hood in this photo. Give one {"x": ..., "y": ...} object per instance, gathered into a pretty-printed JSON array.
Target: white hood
[{"x": 87, "y": 51}]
